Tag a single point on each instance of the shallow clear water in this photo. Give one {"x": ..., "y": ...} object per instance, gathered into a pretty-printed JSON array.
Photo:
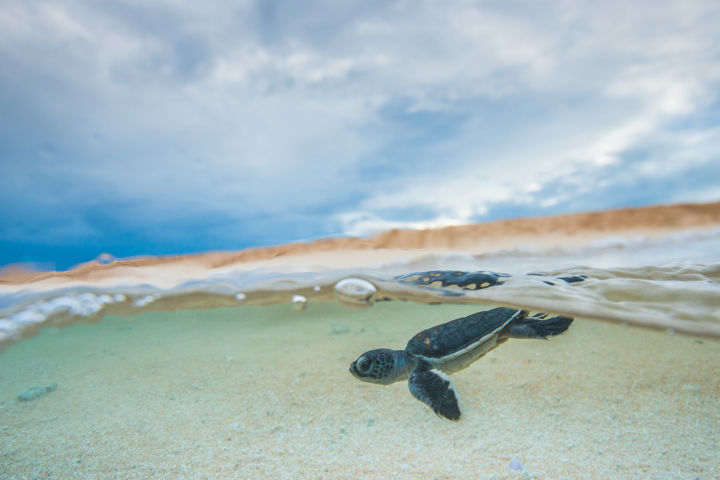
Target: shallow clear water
[
  {"x": 265, "y": 392},
  {"x": 245, "y": 374}
]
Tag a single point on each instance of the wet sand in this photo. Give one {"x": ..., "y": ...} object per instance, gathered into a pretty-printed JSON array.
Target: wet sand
[{"x": 264, "y": 392}]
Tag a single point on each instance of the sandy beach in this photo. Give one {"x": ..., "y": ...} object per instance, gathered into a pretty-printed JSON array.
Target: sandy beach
[{"x": 394, "y": 245}]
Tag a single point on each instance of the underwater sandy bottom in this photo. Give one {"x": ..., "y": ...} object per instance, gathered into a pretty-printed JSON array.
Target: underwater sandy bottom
[{"x": 265, "y": 392}]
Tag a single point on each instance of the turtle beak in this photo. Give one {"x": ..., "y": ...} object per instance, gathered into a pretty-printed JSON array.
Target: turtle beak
[{"x": 354, "y": 371}]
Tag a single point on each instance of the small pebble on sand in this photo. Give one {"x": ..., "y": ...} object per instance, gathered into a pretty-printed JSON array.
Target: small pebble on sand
[
  {"x": 34, "y": 392},
  {"x": 339, "y": 329},
  {"x": 515, "y": 464}
]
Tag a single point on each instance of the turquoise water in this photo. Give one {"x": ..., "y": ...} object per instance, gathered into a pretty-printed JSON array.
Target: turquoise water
[{"x": 265, "y": 392}]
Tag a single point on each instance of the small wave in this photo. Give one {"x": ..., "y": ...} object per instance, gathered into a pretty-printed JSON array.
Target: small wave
[
  {"x": 671, "y": 283},
  {"x": 681, "y": 298}
]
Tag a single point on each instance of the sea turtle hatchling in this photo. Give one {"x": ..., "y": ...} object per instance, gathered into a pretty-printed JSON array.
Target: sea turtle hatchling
[{"x": 436, "y": 352}]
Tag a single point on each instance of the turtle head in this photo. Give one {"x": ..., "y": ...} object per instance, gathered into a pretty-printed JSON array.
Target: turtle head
[{"x": 382, "y": 366}]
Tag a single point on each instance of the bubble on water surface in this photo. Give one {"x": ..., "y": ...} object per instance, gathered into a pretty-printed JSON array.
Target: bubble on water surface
[
  {"x": 355, "y": 292},
  {"x": 299, "y": 303}
]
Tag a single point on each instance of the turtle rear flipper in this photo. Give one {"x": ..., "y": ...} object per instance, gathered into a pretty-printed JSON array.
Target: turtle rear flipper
[
  {"x": 533, "y": 328},
  {"x": 436, "y": 390}
]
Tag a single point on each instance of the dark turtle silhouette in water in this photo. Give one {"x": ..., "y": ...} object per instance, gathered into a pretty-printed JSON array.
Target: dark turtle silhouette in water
[
  {"x": 436, "y": 352},
  {"x": 476, "y": 280},
  {"x": 453, "y": 278}
]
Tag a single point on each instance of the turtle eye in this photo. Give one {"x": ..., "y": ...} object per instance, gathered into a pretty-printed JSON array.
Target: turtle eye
[{"x": 363, "y": 365}]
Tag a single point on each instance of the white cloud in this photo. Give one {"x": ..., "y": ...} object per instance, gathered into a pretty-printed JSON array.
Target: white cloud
[{"x": 229, "y": 108}]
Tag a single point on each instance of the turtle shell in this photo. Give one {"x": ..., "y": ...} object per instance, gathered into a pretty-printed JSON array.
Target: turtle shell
[{"x": 455, "y": 335}]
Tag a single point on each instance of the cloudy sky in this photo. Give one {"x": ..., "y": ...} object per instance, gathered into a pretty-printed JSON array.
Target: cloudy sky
[{"x": 136, "y": 127}]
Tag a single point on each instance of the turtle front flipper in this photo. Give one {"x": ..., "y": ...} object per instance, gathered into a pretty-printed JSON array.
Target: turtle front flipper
[{"x": 435, "y": 389}]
